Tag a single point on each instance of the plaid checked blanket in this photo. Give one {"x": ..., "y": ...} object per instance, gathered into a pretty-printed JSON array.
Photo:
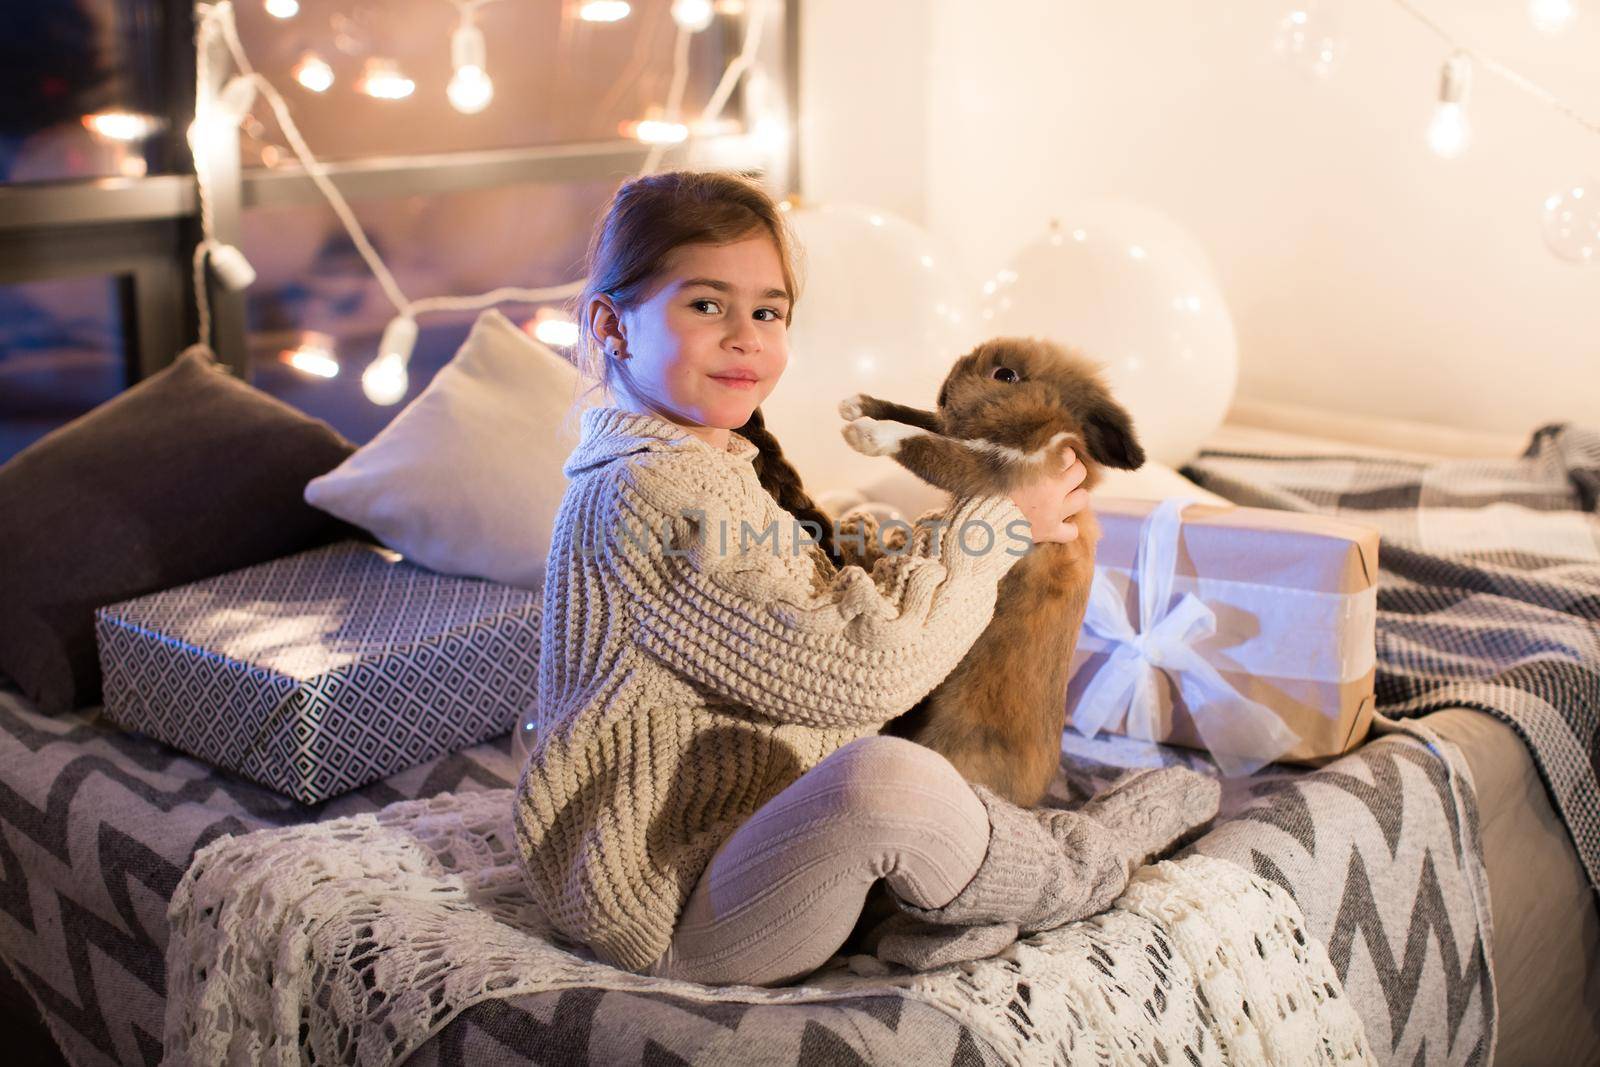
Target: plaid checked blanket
[{"x": 1489, "y": 591}]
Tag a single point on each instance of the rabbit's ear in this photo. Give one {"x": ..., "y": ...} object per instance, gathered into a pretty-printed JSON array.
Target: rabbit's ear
[{"x": 1108, "y": 433}]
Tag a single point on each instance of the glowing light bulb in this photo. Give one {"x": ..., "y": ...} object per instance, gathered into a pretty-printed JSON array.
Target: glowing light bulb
[
  {"x": 382, "y": 80},
  {"x": 385, "y": 380},
  {"x": 604, "y": 11},
  {"x": 1552, "y": 16},
  {"x": 313, "y": 356},
  {"x": 1571, "y": 221},
  {"x": 470, "y": 89},
  {"x": 692, "y": 15},
  {"x": 236, "y": 99},
  {"x": 1450, "y": 133},
  {"x": 656, "y": 131},
  {"x": 222, "y": 115},
  {"x": 313, "y": 73},
  {"x": 282, "y": 9},
  {"x": 553, "y": 328},
  {"x": 123, "y": 126},
  {"x": 1309, "y": 36}
]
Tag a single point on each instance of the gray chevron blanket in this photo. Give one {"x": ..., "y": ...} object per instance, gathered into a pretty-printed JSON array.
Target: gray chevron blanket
[
  {"x": 1488, "y": 592},
  {"x": 97, "y": 828}
]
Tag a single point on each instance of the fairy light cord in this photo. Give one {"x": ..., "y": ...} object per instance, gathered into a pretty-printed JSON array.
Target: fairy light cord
[
  {"x": 1489, "y": 63},
  {"x": 217, "y": 22},
  {"x": 205, "y": 89}
]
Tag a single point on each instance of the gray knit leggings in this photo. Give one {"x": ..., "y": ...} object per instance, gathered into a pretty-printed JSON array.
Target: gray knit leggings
[{"x": 782, "y": 894}]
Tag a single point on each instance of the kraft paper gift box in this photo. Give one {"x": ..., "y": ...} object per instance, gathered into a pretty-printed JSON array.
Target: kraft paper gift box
[
  {"x": 320, "y": 672},
  {"x": 1249, "y": 632}
]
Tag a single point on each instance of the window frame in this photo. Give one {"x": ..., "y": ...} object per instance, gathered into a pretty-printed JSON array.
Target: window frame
[{"x": 142, "y": 231}]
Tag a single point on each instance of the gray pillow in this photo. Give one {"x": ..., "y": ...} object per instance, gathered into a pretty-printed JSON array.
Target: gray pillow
[{"x": 188, "y": 474}]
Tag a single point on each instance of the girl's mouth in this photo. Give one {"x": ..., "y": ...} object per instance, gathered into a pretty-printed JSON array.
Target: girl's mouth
[{"x": 735, "y": 383}]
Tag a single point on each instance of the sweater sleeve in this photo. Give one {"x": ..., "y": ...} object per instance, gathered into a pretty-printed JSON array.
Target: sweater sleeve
[
  {"x": 862, "y": 540},
  {"x": 784, "y": 635}
]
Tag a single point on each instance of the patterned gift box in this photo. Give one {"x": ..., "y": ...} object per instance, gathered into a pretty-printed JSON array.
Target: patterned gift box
[
  {"x": 320, "y": 672},
  {"x": 1249, "y": 632}
]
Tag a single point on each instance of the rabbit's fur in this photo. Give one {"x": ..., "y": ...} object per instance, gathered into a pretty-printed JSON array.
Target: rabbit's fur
[{"x": 1007, "y": 412}]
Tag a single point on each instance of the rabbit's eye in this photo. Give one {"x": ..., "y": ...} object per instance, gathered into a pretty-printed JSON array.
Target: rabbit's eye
[{"x": 1004, "y": 374}]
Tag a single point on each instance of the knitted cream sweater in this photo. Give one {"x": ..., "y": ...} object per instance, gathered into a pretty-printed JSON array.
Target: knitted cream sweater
[{"x": 684, "y": 681}]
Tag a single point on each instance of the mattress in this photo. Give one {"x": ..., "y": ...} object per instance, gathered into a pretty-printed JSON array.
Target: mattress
[{"x": 96, "y": 827}]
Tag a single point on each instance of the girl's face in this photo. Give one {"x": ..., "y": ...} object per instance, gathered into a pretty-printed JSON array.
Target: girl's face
[{"x": 709, "y": 343}]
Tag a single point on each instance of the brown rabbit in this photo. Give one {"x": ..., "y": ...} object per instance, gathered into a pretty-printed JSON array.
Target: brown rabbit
[{"x": 1007, "y": 412}]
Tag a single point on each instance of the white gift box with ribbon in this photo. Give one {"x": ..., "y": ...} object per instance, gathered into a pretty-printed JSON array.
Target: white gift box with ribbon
[{"x": 1247, "y": 632}]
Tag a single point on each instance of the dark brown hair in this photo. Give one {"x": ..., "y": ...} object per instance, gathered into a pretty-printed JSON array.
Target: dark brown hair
[{"x": 648, "y": 218}]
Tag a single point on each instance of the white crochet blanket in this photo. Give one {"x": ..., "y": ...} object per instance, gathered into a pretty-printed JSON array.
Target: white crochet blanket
[{"x": 371, "y": 932}]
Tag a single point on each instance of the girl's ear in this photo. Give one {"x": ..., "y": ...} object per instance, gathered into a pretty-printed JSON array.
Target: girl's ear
[
  {"x": 605, "y": 325},
  {"x": 1108, "y": 433}
]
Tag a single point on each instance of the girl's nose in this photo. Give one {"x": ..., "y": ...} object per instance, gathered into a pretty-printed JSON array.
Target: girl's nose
[{"x": 746, "y": 338}]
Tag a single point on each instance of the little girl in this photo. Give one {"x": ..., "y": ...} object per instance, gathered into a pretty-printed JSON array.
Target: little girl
[{"x": 709, "y": 798}]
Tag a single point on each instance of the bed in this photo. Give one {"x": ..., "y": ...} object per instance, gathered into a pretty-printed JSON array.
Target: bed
[{"x": 1439, "y": 864}]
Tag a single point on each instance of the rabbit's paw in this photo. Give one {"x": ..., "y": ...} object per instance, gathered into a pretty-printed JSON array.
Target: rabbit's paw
[
  {"x": 877, "y": 437},
  {"x": 853, "y": 407}
]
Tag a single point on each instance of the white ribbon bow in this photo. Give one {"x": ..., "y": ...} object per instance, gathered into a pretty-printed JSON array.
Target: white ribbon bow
[{"x": 1241, "y": 734}]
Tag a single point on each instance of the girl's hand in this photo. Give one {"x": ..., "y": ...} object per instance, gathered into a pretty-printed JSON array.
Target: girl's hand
[{"x": 1050, "y": 503}]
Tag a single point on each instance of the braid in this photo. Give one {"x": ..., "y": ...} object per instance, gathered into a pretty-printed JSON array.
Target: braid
[{"x": 779, "y": 478}]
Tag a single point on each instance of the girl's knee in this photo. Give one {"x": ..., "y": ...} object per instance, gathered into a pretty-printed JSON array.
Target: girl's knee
[{"x": 871, "y": 767}]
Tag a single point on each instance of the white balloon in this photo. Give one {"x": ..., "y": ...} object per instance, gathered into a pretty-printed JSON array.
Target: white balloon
[
  {"x": 884, "y": 309},
  {"x": 1571, "y": 221},
  {"x": 1129, "y": 288}
]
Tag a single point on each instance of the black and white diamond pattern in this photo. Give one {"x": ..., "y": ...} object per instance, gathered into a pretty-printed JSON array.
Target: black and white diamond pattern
[{"x": 320, "y": 672}]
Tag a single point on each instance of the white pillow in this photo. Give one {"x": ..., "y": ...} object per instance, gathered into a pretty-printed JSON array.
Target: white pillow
[{"x": 466, "y": 480}]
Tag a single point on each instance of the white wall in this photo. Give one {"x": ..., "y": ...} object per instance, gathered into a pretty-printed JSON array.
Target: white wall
[{"x": 1364, "y": 273}]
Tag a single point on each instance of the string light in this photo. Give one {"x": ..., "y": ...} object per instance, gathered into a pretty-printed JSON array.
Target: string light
[
  {"x": 1551, "y": 16},
  {"x": 1449, "y": 133},
  {"x": 1571, "y": 219},
  {"x": 470, "y": 89},
  {"x": 223, "y": 114},
  {"x": 553, "y": 328},
  {"x": 655, "y": 131},
  {"x": 314, "y": 356},
  {"x": 124, "y": 127},
  {"x": 382, "y": 80},
  {"x": 282, "y": 9},
  {"x": 386, "y": 379},
  {"x": 692, "y": 15},
  {"x": 604, "y": 11},
  {"x": 232, "y": 268},
  {"x": 313, "y": 73}
]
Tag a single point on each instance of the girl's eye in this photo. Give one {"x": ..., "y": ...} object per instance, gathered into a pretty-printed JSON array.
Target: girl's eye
[
  {"x": 1004, "y": 374},
  {"x": 774, "y": 312},
  {"x": 697, "y": 303}
]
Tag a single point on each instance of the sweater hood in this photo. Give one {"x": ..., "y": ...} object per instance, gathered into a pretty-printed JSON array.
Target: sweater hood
[{"x": 611, "y": 433}]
